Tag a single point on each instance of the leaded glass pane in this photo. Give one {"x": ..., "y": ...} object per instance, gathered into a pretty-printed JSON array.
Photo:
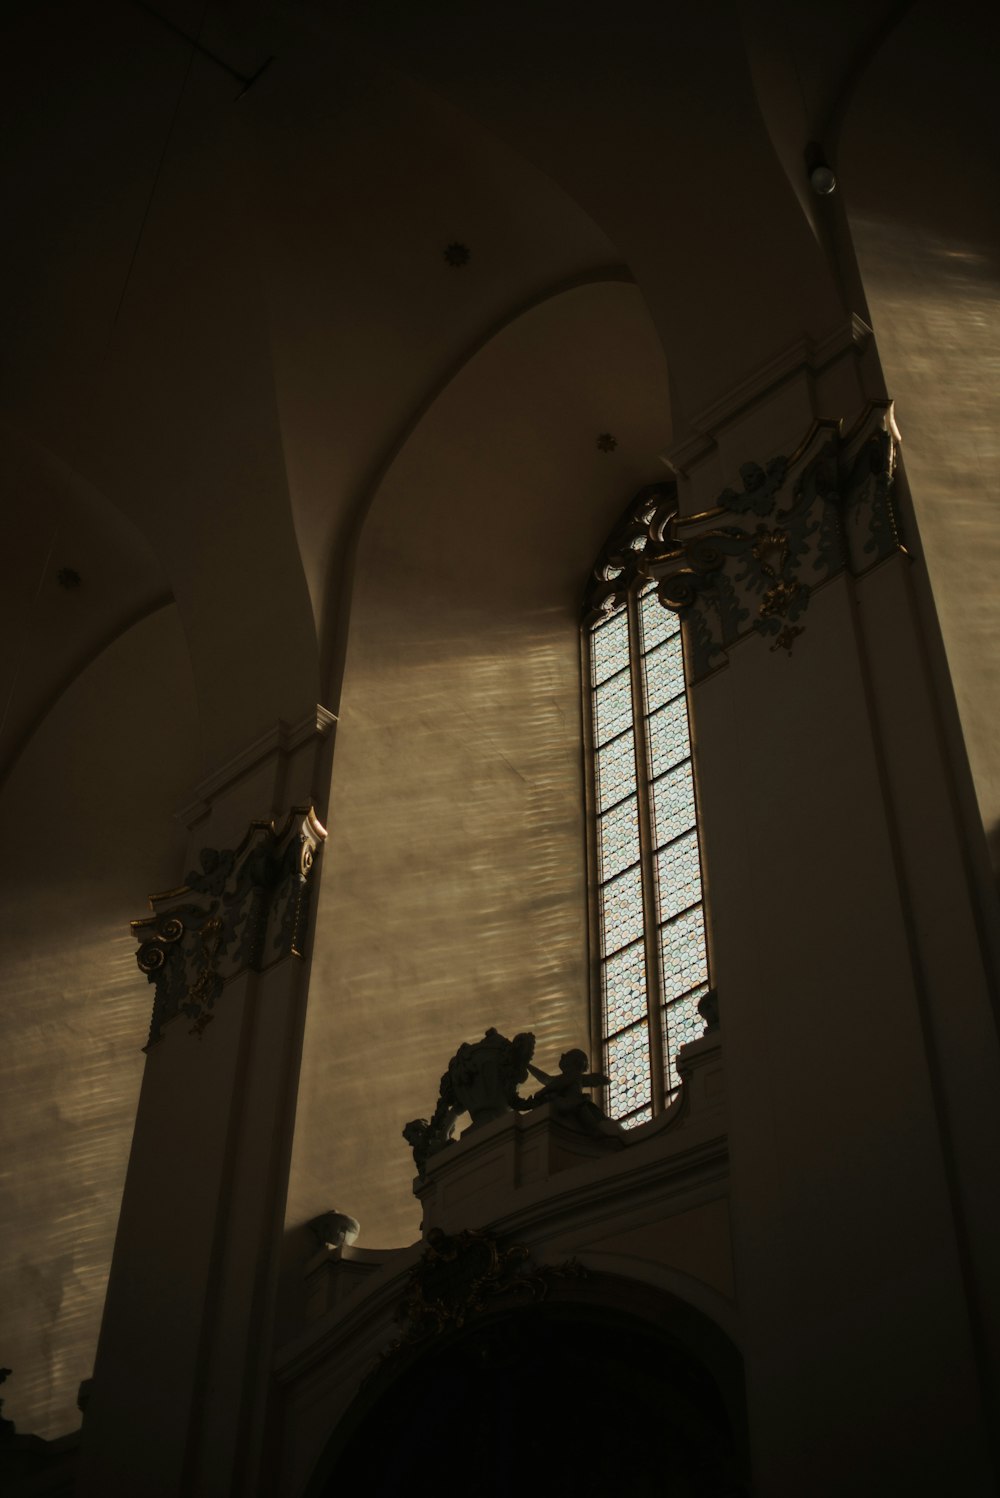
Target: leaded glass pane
[
  {"x": 618, "y": 838},
  {"x": 613, "y": 707},
  {"x": 627, "y": 1066},
  {"x": 621, "y": 910},
  {"x": 673, "y": 804},
  {"x": 683, "y": 958},
  {"x": 670, "y": 842},
  {"x": 681, "y": 1023},
  {"x": 669, "y": 740},
  {"x": 657, "y": 623},
  {"x": 615, "y": 770},
  {"x": 609, "y": 647},
  {"x": 625, "y": 988},
  {"x": 678, "y": 875},
  {"x": 663, "y": 672}
]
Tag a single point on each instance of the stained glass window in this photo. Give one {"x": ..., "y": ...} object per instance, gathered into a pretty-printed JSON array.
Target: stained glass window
[{"x": 653, "y": 955}]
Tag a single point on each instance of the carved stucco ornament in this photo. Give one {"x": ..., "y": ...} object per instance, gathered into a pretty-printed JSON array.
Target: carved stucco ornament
[
  {"x": 243, "y": 909},
  {"x": 459, "y": 1276},
  {"x": 752, "y": 563},
  {"x": 826, "y": 510}
]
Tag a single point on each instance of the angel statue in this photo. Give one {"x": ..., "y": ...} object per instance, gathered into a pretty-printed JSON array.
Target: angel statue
[{"x": 565, "y": 1092}]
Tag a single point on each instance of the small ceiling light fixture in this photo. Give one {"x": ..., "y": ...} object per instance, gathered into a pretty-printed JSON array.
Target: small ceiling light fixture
[
  {"x": 822, "y": 178},
  {"x": 457, "y": 254},
  {"x": 606, "y": 443},
  {"x": 68, "y": 578}
]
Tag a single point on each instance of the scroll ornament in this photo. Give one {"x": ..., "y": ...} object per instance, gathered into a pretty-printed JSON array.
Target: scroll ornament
[
  {"x": 243, "y": 909},
  {"x": 754, "y": 561}
]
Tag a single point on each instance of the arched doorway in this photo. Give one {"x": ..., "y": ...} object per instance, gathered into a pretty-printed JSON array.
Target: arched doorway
[{"x": 563, "y": 1396}]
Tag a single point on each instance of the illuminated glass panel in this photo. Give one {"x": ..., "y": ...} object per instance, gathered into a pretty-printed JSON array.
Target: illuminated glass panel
[
  {"x": 627, "y": 1062},
  {"x": 609, "y": 646},
  {"x": 625, "y": 988},
  {"x": 615, "y": 770},
  {"x": 663, "y": 672},
  {"x": 683, "y": 958},
  {"x": 668, "y": 736},
  {"x": 621, "y": 910},
  {"x": 673, "y": 803},
  {"x": 678, "y": 875},
  {"x": 648, "y": 858},
  {"x": 618, "y": 838},
  {"x": 613, "y": 706}
]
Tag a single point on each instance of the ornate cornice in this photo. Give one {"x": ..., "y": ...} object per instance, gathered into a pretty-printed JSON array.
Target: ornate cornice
[
  {"x": 809, "y": 354},
  {"x": 283, "y": 738},
  {"x": 245, "y": 909}
]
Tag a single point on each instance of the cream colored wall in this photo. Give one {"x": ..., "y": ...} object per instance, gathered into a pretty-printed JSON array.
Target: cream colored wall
[
  {"x": 453, "y": 883},
  {"x": 87, "y": 832},
  {"x": 453, "y": 893},
  {"x": 918, "y": 157}
]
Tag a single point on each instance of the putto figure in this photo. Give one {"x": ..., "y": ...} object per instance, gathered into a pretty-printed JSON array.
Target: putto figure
[{"x": 566, "y": 1095}]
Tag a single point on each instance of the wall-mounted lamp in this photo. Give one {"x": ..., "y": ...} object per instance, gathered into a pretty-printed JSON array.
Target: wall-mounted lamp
[{"x": 822, "y": 178}]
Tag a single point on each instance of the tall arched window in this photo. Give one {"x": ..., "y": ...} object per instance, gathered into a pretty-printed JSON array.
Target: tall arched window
[{"x": 648, "y": 917}]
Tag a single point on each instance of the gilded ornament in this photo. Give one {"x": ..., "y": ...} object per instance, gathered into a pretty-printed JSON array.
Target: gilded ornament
[
  {"x": 726, "y": 580},
  {"x": 241, "y": 909}
]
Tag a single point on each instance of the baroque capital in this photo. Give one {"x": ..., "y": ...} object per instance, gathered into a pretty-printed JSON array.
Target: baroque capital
[{"x": 244, "y": 909}]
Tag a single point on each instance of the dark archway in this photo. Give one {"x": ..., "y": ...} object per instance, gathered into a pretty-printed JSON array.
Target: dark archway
[{"x": 558, "y": 1397}]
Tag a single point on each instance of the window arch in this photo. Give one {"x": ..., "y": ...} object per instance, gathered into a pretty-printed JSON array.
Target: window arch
[{"x": 647, "y": 908}]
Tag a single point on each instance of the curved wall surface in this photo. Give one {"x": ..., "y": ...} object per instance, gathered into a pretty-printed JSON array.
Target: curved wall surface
[
  {"x": 453, "y": 894},
  {"x": 917, "y": 155}
]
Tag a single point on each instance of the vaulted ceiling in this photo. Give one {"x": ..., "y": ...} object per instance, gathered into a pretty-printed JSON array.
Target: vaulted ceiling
[{"x": 229, "y": 301}]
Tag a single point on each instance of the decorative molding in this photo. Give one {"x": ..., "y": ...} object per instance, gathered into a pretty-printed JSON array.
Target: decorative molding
[
  {"x": 647, "y": 519},
  {"x": 243, "y": 910},
  {"x": 283, "y": 738},
  {"x": 726, "y": 580},
  {"x": 811, "y": 355}
]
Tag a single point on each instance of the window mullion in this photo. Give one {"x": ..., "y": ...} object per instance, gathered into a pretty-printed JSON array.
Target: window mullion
[
  {"x": 593, "y": 857},
  {"x": 654, "y": 985}
]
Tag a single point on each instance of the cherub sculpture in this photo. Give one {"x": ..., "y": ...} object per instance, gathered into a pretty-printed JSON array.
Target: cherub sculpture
[{"x": 565, "y": 1092}]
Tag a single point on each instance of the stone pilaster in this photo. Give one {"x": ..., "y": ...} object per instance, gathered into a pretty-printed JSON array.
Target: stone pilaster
[
  {"x": 849, "y": 927},
  {"x": 181, "y": 1373}
]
